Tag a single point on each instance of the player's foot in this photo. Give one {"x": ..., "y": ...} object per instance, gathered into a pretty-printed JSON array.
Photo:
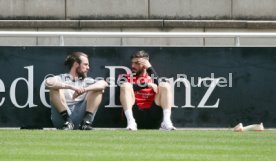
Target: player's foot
[
  {"x": 238, "y": 128},
  {"x": 168, "y": 126},
  {"x": 68, "y": 125},
  {"x": 86, "y": 125},
  {"x": 132, "y": 126}
]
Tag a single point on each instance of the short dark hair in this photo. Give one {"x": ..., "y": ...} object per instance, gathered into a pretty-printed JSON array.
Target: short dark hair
[
  {"x": 140, "y": 54},
  {"x": 74, "y": 57}
]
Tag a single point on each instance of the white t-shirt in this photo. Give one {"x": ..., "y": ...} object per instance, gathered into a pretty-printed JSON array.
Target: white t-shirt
[{"x": 68, "y": 93}]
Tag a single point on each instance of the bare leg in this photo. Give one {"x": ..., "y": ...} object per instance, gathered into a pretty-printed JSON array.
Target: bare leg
[
  {"x": 94, "y": 99},
  {"x": 58, "y": 100},
  {"x": 164, "y": 99},
  {"x": 127, "y": 99},
  {"x": 164, "y": 96}
]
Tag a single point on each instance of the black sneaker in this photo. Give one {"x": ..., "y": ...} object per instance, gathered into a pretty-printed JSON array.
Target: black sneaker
[
  {"x": 86, "y": 125},
  {"x": 68, "y": 125}
]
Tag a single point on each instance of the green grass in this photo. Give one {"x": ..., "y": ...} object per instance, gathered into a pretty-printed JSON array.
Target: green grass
[{"x": 142, "y": 145}]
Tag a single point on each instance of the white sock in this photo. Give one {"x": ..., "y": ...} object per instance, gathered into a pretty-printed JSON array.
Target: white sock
[
  {"x": 129, "y": 115},
  {"x": 167, "y": 115}
]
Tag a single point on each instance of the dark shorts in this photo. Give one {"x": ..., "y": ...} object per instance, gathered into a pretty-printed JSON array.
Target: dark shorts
[
  {"x": 150, "y": 118},
  {"x": 76, "y": 113}
]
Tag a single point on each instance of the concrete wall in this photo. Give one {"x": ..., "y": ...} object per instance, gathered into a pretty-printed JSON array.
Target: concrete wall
[
  {"x": 107, "y": 9},
  {"x": 137, "y": 15},
  {"x": 254, "y": 9},
  {"x": 90, "y": 41},
  {"x": 138, "y": 9},
  {"x": 32, "y": 9},
  {"x": 187, "y": 9}
]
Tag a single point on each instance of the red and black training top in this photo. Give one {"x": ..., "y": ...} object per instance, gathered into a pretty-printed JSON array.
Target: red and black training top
[{"x": 144, "y": 95}]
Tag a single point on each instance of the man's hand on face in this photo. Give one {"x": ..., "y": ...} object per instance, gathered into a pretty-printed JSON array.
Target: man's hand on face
[{"x": 144, "y": 62}]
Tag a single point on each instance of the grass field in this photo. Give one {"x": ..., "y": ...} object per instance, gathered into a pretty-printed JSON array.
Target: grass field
[{"x": 142, "y": 145}]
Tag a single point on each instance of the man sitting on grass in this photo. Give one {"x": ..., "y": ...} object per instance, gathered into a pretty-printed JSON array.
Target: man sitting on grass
[
  {"x": 75, "y": 97},
  {"x": 141, "y": 96}
]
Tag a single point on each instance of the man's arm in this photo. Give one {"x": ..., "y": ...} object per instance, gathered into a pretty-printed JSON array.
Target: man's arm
[
  {"x": 98, "y": 86},
  {"x": 55, "y": 83},
  {"x": 153, "y": 74},
  {"x": 150, "y": 70}
]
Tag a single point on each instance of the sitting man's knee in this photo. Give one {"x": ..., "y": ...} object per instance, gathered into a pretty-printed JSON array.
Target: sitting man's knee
[
  {"x": 50, "y": 82},
  {"x": 125, "y": 86},
  {"x": 103, "y": 83},
  {"x": 164, "y": 85}
]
